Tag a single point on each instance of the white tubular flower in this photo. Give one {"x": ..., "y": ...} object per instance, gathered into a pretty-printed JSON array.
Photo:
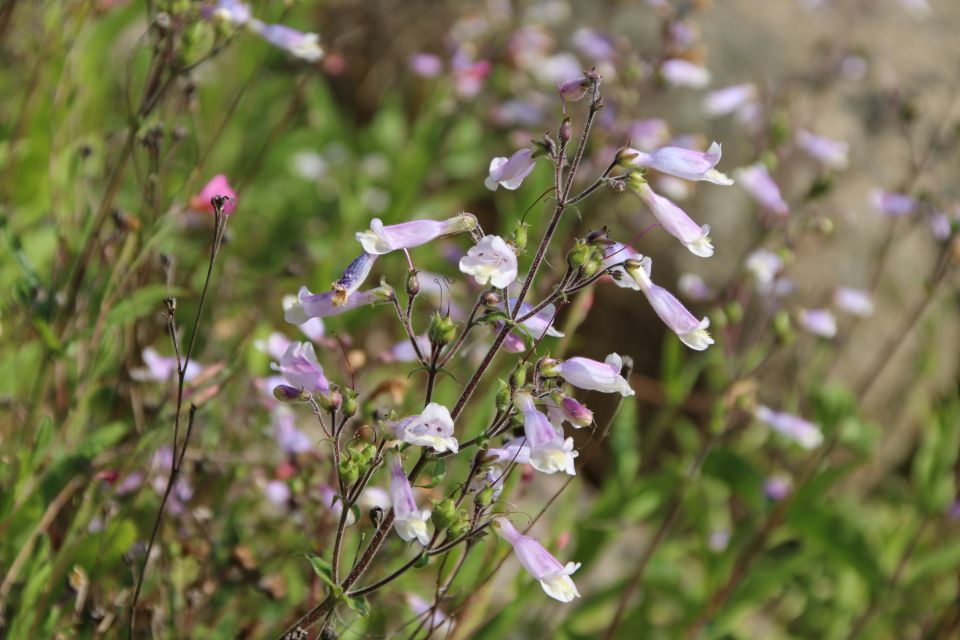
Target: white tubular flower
[
  {"x": 853, "y": 301},
  {"x": 409, "y": 521},
  {"x": 677, "y": 223},
  {"x": 761, "y": 187},
  {"x": 492, "y": 261},
  {"x": 382, "y": 239},
  {"x": 432, "y": 428},
  {"x": 820, "y": 322},
  {"x": 584, "y": 373},
  {"x": 691, "y": 331},
  {"x": 301, "y": 369},
  {"x": 510, "y": 173},
  {"x": 804, "y": 433},
  {"x": 830, "y": 153},
  {"x": 683, "y": 73},
  {"x": 549, "y": 452},
  {"x": 305, "y": 46},
  {"x": 553, "y": 576},
  {"x": 682, "y": 163},
  {"x": 616, "y": 254},
  {"x": 727, "y": 100}
]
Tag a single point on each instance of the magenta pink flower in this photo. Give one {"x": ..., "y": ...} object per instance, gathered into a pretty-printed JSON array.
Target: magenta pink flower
[{"x": 218, "y": 186}]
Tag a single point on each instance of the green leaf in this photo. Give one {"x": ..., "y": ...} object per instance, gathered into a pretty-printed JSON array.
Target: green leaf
[
  {"x": 359, "y": 604},
  {"x": 439, "y": 469},
  {"x": 493, "y": 316},
  {"x": 324, "y": 570},
  {"x": 737, "y": 473}
]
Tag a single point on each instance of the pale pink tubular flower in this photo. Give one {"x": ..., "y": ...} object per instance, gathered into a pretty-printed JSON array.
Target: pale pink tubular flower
[
  {"x": 854, "y": 301},
  {"x": 323, "y": 305},
  {"x": 683, "y": 73},
  {"x": 804, "y": 433},
  {"x": 305, "y": 46},
  {"x": 513, "y": 343},
  {"x": 432, "y": 428},
  {"x": 162, "y": 368},
  {"x": 617, "y": 254},
  {"x": 693, "y": 287},
  {"x": 830, "y": 153},
  {"x": 382, "y": 239},
  {"x": 761, "y": 187},
  {"x": 729, "y": 99},
  {"x": 692, "y": 332},
  {"x": 892, "y": 204},
  {"x": 677, "y": 223},
  {"x": 819, "y": 322},
  {"x": 553, "y": 576},
  {"x": 290, "y": 439},
  {"x": 353, "y": 276},
  {"x": 549, "y": 452},
  {"x": 682, "y": 163},
  {"x": 510, "y": 173},
  {"x": 492, "y": 261},
  {"x": 777, "y": 487},
  {"x": 585, "y": 373},
  {"x": 218, "y": 186},
  {"x": 572, "y": 411},
  {"x": 409, "y": 521},
  {"x": 574, "y": 90},
  {"x": 299, "y": 367}
]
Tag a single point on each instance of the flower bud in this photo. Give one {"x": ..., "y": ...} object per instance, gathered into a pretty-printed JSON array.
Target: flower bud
[
  {"x": 519, "y": 236},
  {"x": 579, "y": 255},
  {"x": 594, "y": 77},
  {"x": 332, "y": 401},
  {"x": 288, "y": 395},
  {"x": 566, "y": 131},
  {"x": 575, "y": 413},
  {"x": 503, "y": 396},
  {"x": 574, "y": 90},
  {"x": 349, "y": 472},
  {"x": 518, "y": 377},
  {"x": 490, "y": 298},
  {"x": 442, "y": 330},
  {"x": 445, "y": 513},
  {"x": 598, "y": 236},
  {"x": 413, "y": 284},
  {"x": 545, "y": 147}
]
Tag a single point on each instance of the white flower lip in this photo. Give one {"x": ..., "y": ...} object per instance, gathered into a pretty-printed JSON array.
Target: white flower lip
[{"x": 491, "y": 261}]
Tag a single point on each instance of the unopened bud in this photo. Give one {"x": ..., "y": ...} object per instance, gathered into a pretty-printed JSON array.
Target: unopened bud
[
  {"x": 332, "y": 401},
  {"x": 350, "y": 404},
  {"x": 490, "y": 298},
  {"x": 566, "y": 131},
  {"x": 598, "y": 236},
  {"x": 594, "y": 77},
  {"x": 575, "y": 413},
  {"x": 548, "y": 367},
  {"x": 413, "y": 283},
  {"x": 594, "y": 264},
  {"x": 288, "y": 395},
  {"x": 484, "y": 496},
  {"x": 349, "y": 472},
  {"x": 574, "y": 90}
]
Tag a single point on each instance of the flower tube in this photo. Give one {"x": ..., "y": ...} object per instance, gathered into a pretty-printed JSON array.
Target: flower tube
[
  {"x": 553, "y": 576},
  {"x": 299, "y": 367},
  {"x": 510, "y": 173},
  {"x": 409, "y": 521},
  {"x": 676, "y": 222},
  {"x": 584, "y": 373},
  {"x": 549, "y": 452},
  {"x": 682, "y": 163},
  {"x": 323, "y": 305},
  {"x": 305, "y": 46},
  {"x": 432, "y": 428},
  {"x": 691, "y": 331},
  {"x": 380, "y": 239},
  {"x": 804, "y": 433}
]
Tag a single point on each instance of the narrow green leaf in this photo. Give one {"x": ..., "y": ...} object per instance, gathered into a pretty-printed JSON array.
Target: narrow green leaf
[{"x": 439, "y": 470}]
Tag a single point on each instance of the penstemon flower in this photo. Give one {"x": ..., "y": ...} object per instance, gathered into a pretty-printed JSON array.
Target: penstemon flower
[
  {"x": 691, "y": 331},
  {"x": 830, "y": 153},
  {"x": 853, "y": 301},
  {"x": 299, "y": 367},
  {"x": 584, "y": 373},
  {"x": 804, "y": 433},
  {"x": 553, "y": 576},
  {"x": 571, "y": 410},
  {"x": 510, "y": 173},
  {"x": 305, "y": 46},
  {"x": 382, "y": 239},
  {"x": 409, "y": 521},
  {"x": 819, "y": 322},
  {"x": 548, "y": 451},
  {"x": 352, "y": 278},
  {"x": 491, "y": 261},
  {"x": 675, "y": 221},
  {"x": 683, "y": 73},
  {"x": 761, "y": 187},
  {"x": 432, "y": 428},
  {"x": 323, "y": 305},
  {"x": 681, "y": 163}
]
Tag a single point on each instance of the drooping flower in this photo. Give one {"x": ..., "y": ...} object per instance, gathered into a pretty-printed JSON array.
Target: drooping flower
[
  {"x": 548, "y": 451},
  {"x": 585, "y": 373},
  {"x": 492, "y": 261},
  {"x": 683, "y": 73},
  {"x": 830, "y": 153},
  {"x": 676, "y": 222},
  {"x": 761, "y": 187},
  {"x": 290, "y": 439},
  {"x": 305, "y": 46},
  {"x": 409, "y": 521},
  {"x": 382, "y": 239},
  {"x": 764, "y": 265},
  {"x": 804, "y": 433},
  {"x": 323, "y": 305},
  {"x": 432, "y": 428},
  {"x": 819, "y": 322},
  {"x": 553, "y": 576},
  {"x": 692, "y": 332},
  {"x": 854, "y": 301},
  {"x": 218, "y": 186},
  {"x": 299, "y": 367},
  {"x": 892, "y": 204},
  {"x": 510, "y": 173},
  {"x": 574, "y": 90},
  {"x": 682, "y": 163}
]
